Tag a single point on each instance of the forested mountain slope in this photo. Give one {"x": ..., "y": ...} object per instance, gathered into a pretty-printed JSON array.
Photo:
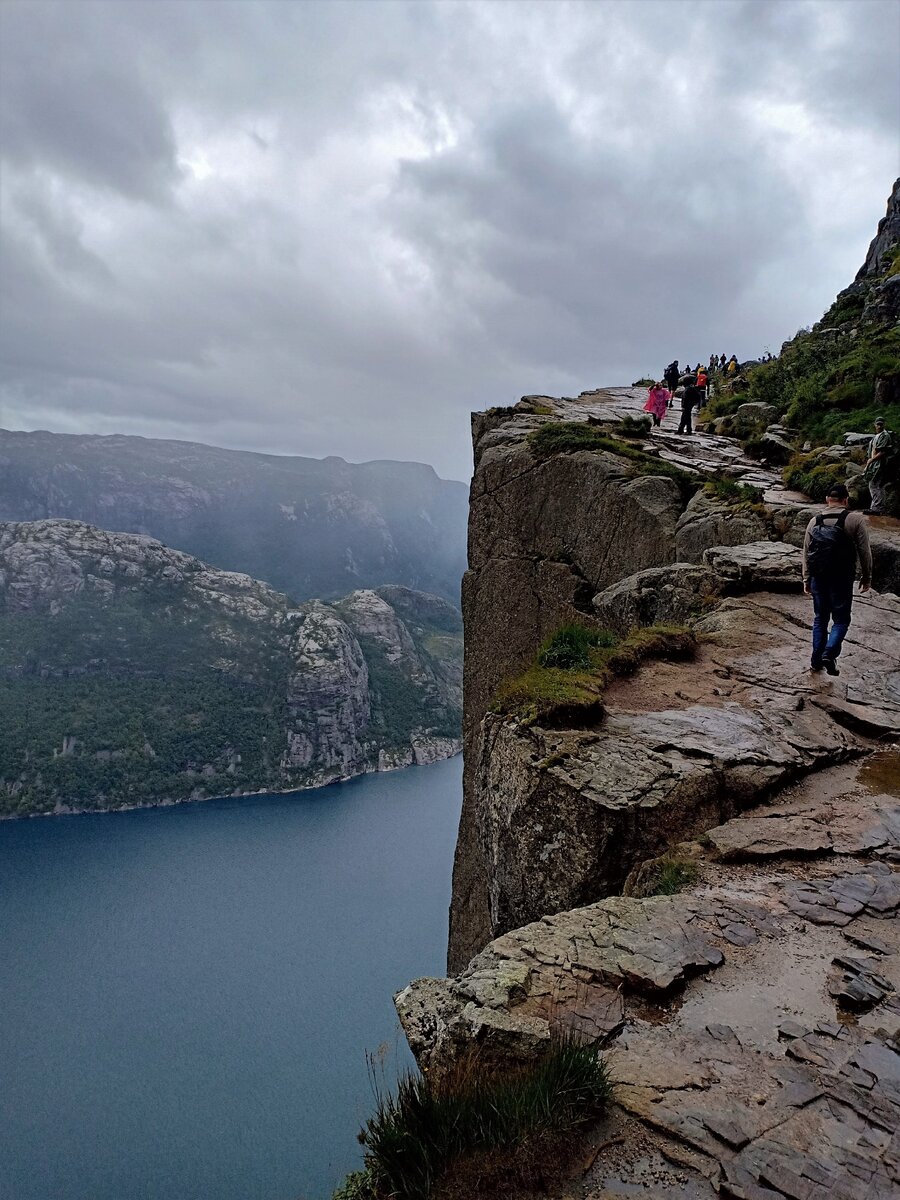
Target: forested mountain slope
[{"x": 131, "y": 673}]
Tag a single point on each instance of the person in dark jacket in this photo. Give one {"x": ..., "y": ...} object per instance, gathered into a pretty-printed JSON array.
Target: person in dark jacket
[
  {"x": 670, "y": 375},
  {"x": 828, "y": 574},
  {"x": 692, "y": 395}
]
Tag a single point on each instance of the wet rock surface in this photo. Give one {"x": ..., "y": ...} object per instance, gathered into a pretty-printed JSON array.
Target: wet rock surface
[
  {"x": 577, "y": 536},
  {"x": 751, "y": 1022},
  {"x": 751, "y": 1019},
  {"x": 755, "y": 566},
  {"x": 680, "y": 749}
]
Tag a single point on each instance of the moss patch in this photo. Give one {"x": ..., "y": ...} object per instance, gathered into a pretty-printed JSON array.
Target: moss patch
[
  {"x": 568, "y": 437},
  {"x": 573, "y": 697},
  {"x": 807, "y": 473},
  {"x": 734, "y": 494}
]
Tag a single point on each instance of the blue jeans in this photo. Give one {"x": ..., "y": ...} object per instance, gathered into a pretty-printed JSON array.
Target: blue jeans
[{"x": 832, "y": 598}]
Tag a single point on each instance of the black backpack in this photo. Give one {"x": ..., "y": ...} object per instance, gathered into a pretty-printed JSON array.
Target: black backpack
[{"x": 831, "y": 550}]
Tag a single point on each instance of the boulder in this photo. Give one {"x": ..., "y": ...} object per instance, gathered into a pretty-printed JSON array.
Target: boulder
[
  {"x": 773, "y": 448},
  {"x": 708, "y": 521},
  {"x": 658, "y": 596},
  {"x": 756, "y": 566},
  {"x": 753, "y": 417}
]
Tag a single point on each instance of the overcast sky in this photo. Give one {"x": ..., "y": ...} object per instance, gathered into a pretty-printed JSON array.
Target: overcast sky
[{"x": 337, "y": 228}]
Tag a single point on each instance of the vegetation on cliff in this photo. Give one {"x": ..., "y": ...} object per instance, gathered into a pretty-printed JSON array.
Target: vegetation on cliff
[
  {"x": 478, "y": 1129},
  {"x": 566, "y": 681},
  {"x": 134, "y": 674},
  {"x": 835, "y": 377},
  {"x": 568, "y": 437}
]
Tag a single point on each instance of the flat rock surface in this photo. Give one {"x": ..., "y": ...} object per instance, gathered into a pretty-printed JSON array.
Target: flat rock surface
[
  {"x": 757, "y": 565},
  {"x": 751, "y": 1021}
]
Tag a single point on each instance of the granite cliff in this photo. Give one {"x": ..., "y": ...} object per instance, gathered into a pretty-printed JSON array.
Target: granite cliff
[
  {"x": 132, "y": 673},
  {"x": 313, "y": 528},
  {"x": 751, "y": 1016}
]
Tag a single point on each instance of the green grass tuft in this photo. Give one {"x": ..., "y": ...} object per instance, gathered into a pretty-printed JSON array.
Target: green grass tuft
[
  {"x": 572, "y": 696},
  {"x": 633, "y": 427},
  {"x": 733, "y": 493},
  {"x": 432, "y": 1125},
  {"x": 571, "y": 646},
  {"x": 673, "y": 875}
]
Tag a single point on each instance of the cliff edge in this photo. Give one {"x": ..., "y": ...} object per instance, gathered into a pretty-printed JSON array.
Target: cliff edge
[{"x": 698, "y": 863}]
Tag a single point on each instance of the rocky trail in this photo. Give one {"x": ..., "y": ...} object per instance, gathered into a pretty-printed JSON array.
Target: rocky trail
[{"x": 751, "y": 1018}]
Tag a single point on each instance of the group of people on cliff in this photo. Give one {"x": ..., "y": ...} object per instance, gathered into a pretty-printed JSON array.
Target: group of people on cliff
[{"x": 694, "y": 384}]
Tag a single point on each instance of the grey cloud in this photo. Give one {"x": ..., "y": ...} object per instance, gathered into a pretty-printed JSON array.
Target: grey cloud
[
  {"x": 337, "y": 227},
  {"x": 68, "y": 103}
]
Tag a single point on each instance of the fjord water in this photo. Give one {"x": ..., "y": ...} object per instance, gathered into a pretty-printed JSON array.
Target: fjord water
[{"x": 187, "y": 994}]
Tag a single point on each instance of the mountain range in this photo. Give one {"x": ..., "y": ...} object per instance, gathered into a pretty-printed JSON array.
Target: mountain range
[{"x": 313, "y": 528}]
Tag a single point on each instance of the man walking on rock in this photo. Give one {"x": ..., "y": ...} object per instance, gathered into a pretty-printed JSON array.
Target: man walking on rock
[
  {"x": 834, "y": 540},
  {"x": 692, "y": 395}
]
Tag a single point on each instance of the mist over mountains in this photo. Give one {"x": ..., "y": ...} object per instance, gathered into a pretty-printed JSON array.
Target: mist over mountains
[{"x": 313, "y": 528}]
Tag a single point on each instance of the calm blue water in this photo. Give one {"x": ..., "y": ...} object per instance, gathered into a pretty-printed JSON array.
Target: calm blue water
[{"x": 187, "y": 994}]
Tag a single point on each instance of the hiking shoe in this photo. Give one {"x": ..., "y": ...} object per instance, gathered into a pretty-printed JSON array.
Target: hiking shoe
[
  {"x": 830, "y": 666},
  {"x": 815, "y": 666}
]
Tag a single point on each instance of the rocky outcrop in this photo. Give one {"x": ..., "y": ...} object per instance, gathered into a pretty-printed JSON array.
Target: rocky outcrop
[
  {"x": 328, "y": 704},
  {"x": 749, "y": 1021},
  {"x": 544, "y": 537},
  {"x": 150, "y": 676},
  {"x": 755, "y": 566},
  {"x": 658, "y": 596},
  {"x": 708, "y": 522},
  {"x": 884, "y": 243}
]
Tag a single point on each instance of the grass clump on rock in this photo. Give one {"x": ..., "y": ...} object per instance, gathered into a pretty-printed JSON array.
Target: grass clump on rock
[
  {"x": 732, "y": 493},
  {"x": 664, "y": 876},
  {"x": 633, "y": 427},
  {"x": 808, "y": 473},
  {"x": 672, "y": 875},
  {"x": 571, "y": 647},
  {"x": 568, "y": 437},
  {"x": 565, "y": 684},
  {"x": 484, "y": 1128}
]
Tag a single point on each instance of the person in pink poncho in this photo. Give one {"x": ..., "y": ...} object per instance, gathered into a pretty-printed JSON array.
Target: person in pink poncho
[{"x": 657, "y": 402}]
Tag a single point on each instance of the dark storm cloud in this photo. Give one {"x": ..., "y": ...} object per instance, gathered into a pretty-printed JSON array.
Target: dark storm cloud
[{"x": 336, "y": 227}]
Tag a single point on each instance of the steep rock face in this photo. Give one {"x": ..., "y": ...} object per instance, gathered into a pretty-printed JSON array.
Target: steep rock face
[
  {"x": 132, "y": 673},
  {"x": 544, "y": 537},
  {"x": 567, "y": 814},
  {"x": 885, "y": 240},
  {"x": 309, "y": 527},
  {"x": 578, "y": 536},
  {"x": 327, "y": 697}
]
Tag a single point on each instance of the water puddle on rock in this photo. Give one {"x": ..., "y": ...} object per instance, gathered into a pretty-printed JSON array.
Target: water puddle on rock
[{"x": 880, "y": 774}]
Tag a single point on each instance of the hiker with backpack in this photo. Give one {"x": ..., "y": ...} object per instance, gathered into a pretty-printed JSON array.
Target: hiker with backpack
[
  {"x": 692, "y": 395},
  {"x": 703, "y": 382},
  {"x": 882, "y": 452},
  {"x": 670, "y": 375},
  {"x": 834, "y": 540}
]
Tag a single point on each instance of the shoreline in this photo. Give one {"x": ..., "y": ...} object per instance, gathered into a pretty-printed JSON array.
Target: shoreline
[{"x": 167, "y": 802}]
